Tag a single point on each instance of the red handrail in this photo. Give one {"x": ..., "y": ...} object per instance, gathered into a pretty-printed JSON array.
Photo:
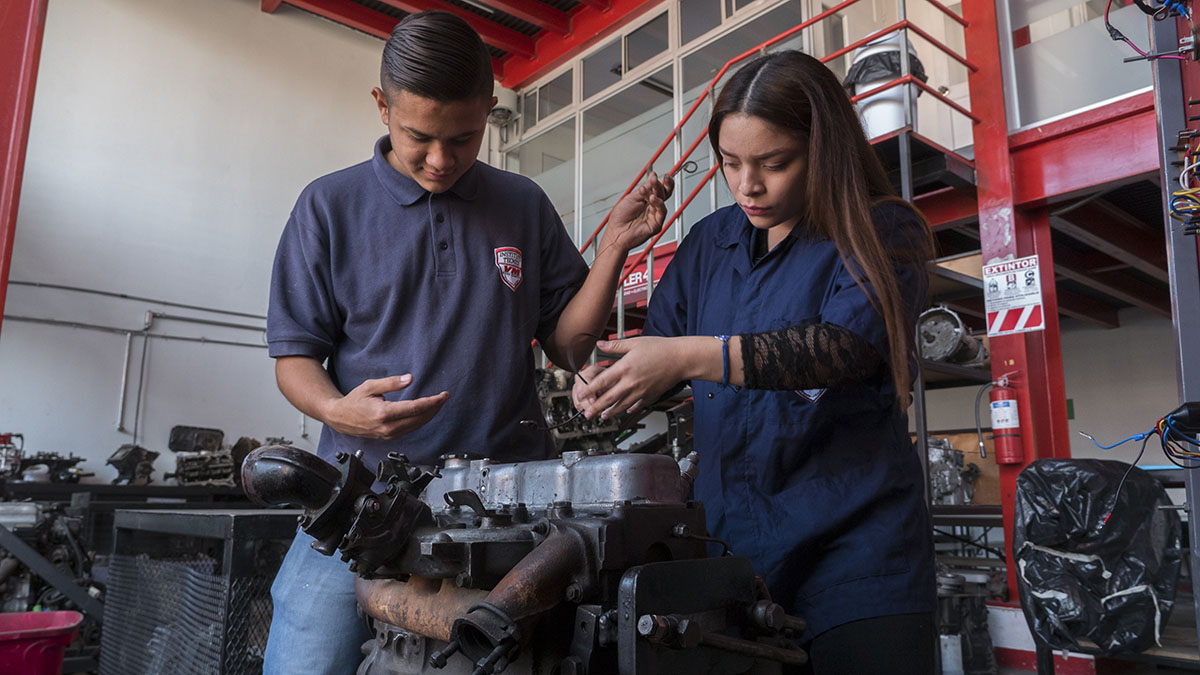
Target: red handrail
[
  {"x": 782, "y": 36},
  {"x": 904, "y": 24},
  {"x": 948, "y": 12},
  {"x": 910, "y": 79},
  {"x": 641, "y": 256}
]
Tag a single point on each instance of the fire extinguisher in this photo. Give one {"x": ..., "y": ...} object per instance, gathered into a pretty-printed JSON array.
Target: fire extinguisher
[{"x": 1006, "y": 425}]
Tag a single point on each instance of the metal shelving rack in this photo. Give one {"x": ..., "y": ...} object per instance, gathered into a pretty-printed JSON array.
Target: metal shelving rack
[{"x": 1171, "y": 86}]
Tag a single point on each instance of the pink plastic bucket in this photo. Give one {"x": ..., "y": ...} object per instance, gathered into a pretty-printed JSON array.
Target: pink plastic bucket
[{"x": 32, "y": 643}]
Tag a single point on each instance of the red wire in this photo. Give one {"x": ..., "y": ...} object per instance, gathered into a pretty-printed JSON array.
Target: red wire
[{"x": 1129, "y": 42}]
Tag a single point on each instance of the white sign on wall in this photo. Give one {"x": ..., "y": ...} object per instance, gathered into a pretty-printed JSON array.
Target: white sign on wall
[{"x": 1012, "y": 296}]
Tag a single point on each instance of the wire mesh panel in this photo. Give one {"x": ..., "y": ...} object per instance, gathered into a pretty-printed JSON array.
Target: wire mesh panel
[
  {"x": 249, "y": 622},
  {"x": 163, "y": 616},
  {"x": 189, "y": 593}
]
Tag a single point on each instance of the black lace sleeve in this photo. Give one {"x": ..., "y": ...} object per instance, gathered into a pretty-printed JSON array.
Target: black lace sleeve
[{"x": 807, "y": 356}]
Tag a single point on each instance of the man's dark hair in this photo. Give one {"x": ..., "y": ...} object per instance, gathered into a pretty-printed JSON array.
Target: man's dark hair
[{"x": 436, "y": 55}]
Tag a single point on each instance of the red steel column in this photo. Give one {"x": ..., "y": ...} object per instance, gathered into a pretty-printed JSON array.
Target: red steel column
[
  {"x": 1005, "y": 232},
  {"x": 21, "y": 24}
]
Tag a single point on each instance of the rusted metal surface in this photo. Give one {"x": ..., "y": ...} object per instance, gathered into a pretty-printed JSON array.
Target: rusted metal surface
[
  {"x": 420, "y": 605},
  {"x": 540, "y": 581}
]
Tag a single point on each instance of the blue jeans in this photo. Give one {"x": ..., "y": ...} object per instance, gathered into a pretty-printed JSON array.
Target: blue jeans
[{"x": 315, "y": 628}]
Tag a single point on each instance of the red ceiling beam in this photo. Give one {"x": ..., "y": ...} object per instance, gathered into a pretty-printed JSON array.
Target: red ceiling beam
[
  {"x": 21, "y": 28},
  {"x": 948, "y": 207},
  {"x": 536, "y": 13},
  {"x": 1110, "y": 144},
  {"x": 589, "y": 25},
  {"x": 1109, "y": 233},
  {"x": 344, "y": 12},
  {"x": 1087, "y": 310},
  {"x": 492, "y": 33},
  {"x": 1070, "y": 264},
  {"x": 599, "y": 5},
  {"x": 353, "y": 15}
]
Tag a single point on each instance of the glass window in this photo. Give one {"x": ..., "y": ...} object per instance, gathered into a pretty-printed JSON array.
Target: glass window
[
  {"x": 646, "y": 42},
  {"x": 697, "y": 17},
  {"x": 529, "y": 110},
  {"x": 619, "y": 134},
  {"x": 1063, "y": 58},
  {"x": 830, "y": 37},
  {"x": 602, "y": 69},
  {"x": 702, "y": 65},
  {"x": 555, "y": 95},
  {"x": 692, "y": 174},
  {"x": 549, "y": 160}
]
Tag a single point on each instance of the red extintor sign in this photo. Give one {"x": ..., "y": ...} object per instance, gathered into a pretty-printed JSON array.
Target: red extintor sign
[
  {"x": 508, "y": 261},
  {"x": 1012, "y": 295}
]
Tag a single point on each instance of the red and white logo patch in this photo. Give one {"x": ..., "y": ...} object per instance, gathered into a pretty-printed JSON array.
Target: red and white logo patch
[
  {"x": 508, "y": 261},
  {"x": 810, "y": 395}
]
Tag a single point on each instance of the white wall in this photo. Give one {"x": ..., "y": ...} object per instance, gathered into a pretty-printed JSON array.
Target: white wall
[
  {"x": 1120, "y": 381},
  {"x": 169, "y": 141}
]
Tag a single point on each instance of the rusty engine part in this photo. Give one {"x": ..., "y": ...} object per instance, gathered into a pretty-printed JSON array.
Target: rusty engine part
[
  {"x": 479, "y": 567},
  {"x": 134, "y": 465}
]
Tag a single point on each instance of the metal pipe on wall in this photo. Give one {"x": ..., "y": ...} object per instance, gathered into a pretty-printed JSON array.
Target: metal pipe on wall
[
  {"x": 124, "y": 382},
  {"x": 204, "y": 322},
  {"x": 146, "y": 335},
  {"x": 124, "y": 296},
  {"x": 123, "y": 331}
]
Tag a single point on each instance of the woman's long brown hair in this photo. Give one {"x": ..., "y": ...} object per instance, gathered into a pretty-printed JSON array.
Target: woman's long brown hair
[{"x": 798, "y": 93}]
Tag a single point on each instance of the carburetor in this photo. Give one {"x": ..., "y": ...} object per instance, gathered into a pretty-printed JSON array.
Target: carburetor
[{"x": 585, "y": 564}]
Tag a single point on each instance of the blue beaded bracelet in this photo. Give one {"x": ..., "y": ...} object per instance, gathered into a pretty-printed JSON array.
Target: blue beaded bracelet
[{"x": 724, "y": 359}]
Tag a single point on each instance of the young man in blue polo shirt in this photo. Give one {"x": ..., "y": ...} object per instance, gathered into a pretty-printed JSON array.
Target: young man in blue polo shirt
[{"x": 405, "y": 294}]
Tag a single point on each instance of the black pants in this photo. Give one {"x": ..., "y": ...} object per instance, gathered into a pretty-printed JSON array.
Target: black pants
[{"x": 901, "y": 644}]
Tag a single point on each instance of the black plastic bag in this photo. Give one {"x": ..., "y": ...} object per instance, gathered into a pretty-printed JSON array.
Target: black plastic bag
[
  {"x": 1082, "y": 577},
  {"x": 882, "y": 66}
]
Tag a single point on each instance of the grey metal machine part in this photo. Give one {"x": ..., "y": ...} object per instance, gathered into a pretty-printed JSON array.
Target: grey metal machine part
[{"x": 483, "y": 567}]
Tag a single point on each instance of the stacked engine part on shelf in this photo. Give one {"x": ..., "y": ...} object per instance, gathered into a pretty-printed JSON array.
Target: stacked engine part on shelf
[
  {"x": 201, "y": 458},
  {"x": 962, "y": 620},
  {"x": 944, "y": 337},
  {"x": 42, "y": 467},
  {"x": 583, "y": 564},
  {"x": 950, "y": 483},
  {"x": 134, "y": 465}
]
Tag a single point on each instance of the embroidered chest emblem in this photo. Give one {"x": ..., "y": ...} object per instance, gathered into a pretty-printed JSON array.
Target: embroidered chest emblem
[
  {"x": 508, "y": 261},
  {"x": 810, "y": 395}
]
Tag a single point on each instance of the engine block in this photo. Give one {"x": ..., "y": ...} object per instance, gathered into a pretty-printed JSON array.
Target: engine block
[{"x": 589, "y": 563}]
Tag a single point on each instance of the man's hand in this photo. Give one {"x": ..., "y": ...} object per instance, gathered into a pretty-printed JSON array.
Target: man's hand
[
  {"x": 648, "y": 368},
  {"x": 366, "y": 414},
  {"x": 639, "y": 215}
]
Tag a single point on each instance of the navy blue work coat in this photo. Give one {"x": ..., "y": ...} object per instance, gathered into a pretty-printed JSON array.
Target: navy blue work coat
[{"x": 821, "y": 489}]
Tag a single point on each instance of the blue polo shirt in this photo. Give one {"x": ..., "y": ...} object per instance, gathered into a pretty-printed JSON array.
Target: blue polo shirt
[
  {"x": 378, "y": 277},
  {"x": 821, "y": 489}
]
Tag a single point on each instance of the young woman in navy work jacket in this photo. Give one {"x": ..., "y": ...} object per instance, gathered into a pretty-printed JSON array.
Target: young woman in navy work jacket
[{"x": 791, "y": 314}]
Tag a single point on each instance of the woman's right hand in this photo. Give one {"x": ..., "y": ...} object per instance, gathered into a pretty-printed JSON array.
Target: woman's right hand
[
  {"x": 579, "y": 390},
  {"x": 639, "y": 215}
]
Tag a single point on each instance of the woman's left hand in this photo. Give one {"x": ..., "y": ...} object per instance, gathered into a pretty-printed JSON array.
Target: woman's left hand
[{"x": 648, "y": 367}]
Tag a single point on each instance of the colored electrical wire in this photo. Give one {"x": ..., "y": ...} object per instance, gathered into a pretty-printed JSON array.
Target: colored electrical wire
[
  {"x": 1117, "y": 35},
  {"x": 1176, "y": 444},
  {"x": 1117, "y": 495},
  {"x": 1135, "y": 437}
]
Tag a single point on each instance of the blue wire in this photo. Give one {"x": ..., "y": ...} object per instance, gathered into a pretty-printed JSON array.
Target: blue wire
[
  {"x": 1181, "y": 436},
  {"x": 1135, "y": 437}
]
